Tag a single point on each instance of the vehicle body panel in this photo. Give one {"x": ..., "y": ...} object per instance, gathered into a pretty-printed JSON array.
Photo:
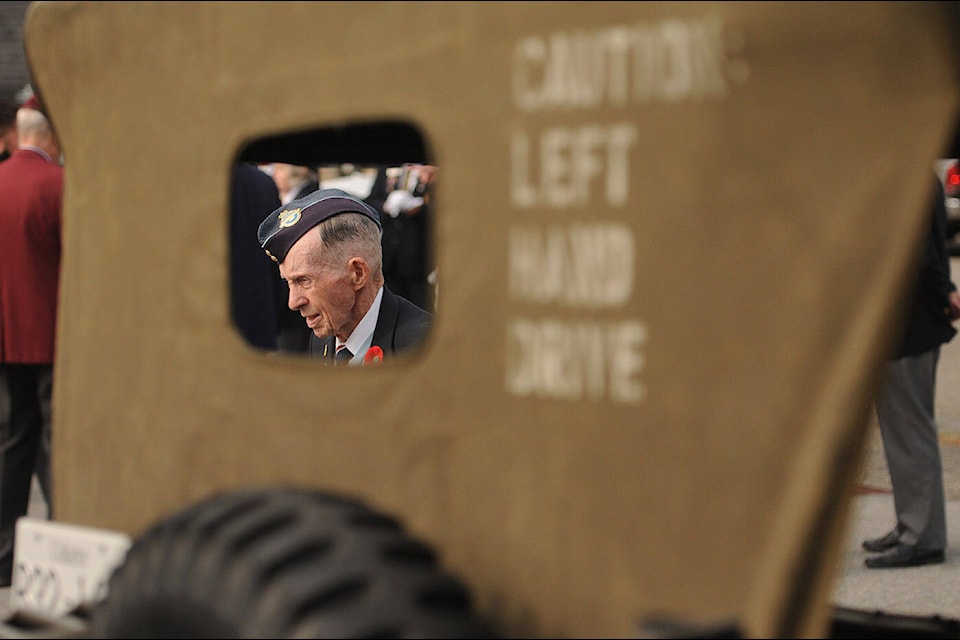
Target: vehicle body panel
[{"x": 700, "y": 469}]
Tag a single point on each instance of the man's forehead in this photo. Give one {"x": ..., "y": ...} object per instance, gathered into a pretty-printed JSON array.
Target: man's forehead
[{"x": 302, "y": 258}]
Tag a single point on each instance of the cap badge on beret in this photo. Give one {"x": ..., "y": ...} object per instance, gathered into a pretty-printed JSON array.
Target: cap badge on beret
[{"x": 288, "y": 217}]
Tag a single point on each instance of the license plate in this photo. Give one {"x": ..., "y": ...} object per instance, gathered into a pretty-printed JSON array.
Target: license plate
[{"x": 59, "y": 567}]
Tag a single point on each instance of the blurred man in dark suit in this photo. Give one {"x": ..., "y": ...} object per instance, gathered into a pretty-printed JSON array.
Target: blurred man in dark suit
[{"x": 905, "y": 408}]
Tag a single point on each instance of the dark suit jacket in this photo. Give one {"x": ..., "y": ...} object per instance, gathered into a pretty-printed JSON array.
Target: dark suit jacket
[
  {"x": 928, "y": 323},
  {"x": 407, "y": 243},
  {"x": 255, "y": 297},
  {"x": 401, "y": 326}
]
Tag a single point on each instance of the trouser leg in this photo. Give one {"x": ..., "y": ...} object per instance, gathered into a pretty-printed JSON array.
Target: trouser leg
[
  {"x": 905, "y": 411},
  {"x": 20, "y": 428},
  {"x": 44, "y": 458}
]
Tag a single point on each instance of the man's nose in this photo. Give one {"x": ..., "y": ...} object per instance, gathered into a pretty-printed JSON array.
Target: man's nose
[{"x": 294, "y": 300}]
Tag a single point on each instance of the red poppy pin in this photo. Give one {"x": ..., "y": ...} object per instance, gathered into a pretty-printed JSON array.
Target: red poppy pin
[{"x": 374, "y": 355}]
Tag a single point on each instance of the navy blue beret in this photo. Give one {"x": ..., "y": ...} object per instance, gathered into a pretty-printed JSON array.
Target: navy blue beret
[{"x": 282, "y": 228}]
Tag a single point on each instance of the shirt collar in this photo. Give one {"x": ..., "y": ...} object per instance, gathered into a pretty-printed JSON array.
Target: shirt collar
[
  {"x": 362, "y": 336},
  {"x": 38, "y": 150}
]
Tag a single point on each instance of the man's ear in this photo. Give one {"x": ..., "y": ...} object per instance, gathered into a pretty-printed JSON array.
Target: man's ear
[{"x": 359, "y": 272}]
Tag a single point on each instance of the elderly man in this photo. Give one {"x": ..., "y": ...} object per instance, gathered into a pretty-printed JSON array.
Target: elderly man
[{"x": 327, "y": 245}]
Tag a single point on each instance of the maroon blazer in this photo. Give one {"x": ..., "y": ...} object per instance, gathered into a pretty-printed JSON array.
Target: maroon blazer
[{"x": 31, "y": 197}]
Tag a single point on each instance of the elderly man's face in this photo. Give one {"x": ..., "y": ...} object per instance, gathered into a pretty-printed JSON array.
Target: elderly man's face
[{"x": 325, "y": 294}]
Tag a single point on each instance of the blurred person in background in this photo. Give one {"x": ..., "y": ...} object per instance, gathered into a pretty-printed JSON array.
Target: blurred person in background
[
  {"x": 293, "y": 181},
  {"x": 408, "y": 264},
  {"x": 31, "y": 182},
  {"x": 255, "y": 296},
  {"x": 905, "y": 407},
  {"x": 8, "y": 129}
]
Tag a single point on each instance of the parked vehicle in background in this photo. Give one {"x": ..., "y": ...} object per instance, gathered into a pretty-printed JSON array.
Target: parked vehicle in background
[{"x": 949, "y": 172}]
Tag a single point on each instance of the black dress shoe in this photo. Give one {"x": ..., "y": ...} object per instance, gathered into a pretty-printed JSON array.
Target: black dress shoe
[
  {"x": 889, "y": 541},
  {"x": 905, "y": 555}
]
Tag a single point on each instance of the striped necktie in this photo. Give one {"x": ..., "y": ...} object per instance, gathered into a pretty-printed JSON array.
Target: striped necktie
[{"x": 343, "y": 355}]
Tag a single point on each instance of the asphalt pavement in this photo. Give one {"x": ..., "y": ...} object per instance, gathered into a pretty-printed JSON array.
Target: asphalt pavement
[{"x": 927, "y": 591}]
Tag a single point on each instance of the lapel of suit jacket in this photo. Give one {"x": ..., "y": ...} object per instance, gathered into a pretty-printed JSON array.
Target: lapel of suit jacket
[{"x": 386, "y": 322}]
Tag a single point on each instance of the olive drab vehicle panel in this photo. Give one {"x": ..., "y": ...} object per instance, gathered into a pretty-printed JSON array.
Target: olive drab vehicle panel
[{"x": 671, "y": 239}]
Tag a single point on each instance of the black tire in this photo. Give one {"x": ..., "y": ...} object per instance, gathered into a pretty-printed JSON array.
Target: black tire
[{"x": 282, "y": 563}]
